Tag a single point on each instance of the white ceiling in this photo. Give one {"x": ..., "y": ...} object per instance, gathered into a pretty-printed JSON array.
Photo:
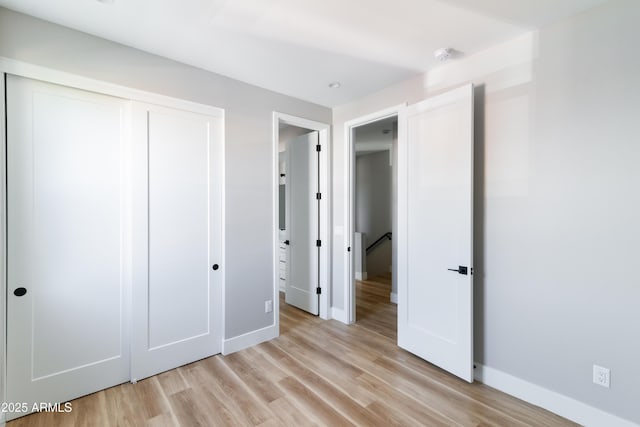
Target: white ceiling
[{"x": 297, "y": 47}]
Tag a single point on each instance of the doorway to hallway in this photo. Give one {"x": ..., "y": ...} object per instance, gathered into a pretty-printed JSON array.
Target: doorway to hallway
[
  {"x": 301, "y": 212},
  {"x": 372, "y": 210}
]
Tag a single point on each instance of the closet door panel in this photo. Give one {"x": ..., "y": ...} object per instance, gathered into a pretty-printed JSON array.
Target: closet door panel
[
  {"x": 178, "y": 228},
  {"x": 68, "y": 332},
  {"x": 177, "y": 297}
]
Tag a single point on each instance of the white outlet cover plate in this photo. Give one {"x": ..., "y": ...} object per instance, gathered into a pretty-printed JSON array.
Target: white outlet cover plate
[{"x": 601, "y": 376}]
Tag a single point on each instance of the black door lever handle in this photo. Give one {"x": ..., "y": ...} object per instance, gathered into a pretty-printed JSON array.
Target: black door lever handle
[{"x": 460, "y": 270}]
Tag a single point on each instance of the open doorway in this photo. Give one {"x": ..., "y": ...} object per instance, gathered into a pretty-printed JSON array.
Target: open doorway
[
  {"x": 374, "y": 202},
  {"x": 433, "y": 224},
  {"x": 301, "y": 213},
  {"x": 371, "y": 221}
]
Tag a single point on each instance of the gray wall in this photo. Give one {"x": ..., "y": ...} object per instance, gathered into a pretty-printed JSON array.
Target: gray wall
[
  {"x": 557, "y": 239},
  {"x": 373, "y": 207},
  {"x": 248, "y": 128}
]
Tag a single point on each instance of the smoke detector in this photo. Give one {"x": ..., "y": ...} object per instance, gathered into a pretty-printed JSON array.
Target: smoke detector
[{"x": 443, "y": 54}]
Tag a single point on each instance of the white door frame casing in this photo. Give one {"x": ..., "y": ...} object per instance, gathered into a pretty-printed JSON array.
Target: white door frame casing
[
  {"x": 349, "y": 201},
  {"x": 324, "y": 268}
]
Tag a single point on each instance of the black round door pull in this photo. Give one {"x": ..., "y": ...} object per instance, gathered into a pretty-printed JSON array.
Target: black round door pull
[
  {"x": 215, "y": 266},
  {"x": 20, "y": 292}
]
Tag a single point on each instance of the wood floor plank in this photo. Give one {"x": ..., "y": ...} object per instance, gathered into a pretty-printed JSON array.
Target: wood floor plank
[
  {"x": 122, "y": 405},
  {"x": 318, "y": 355},
  {"x": 326, "y": 414},
  {"x": 201, "y": 382},
  {"x": 151, "y": 400},
  {"x": 86, "y": 408},
  {"x": 236, "y": 392},
  {"x": 330, "y": 393},
  {"x": 279, "y": 350},
  {"x": 210, "y": 376},
  {"x": 317, "y": 373},
  {"x": 172, "y": 382},
  {"x": 255, "y": 356},
  {"x": 401, "y": 383},
  {"x": 457, "y": 406},
  {"x": 419, "y": 413},
  {"x": 190, "y": 408},
  {"x": 162, "y": 420},
  {"x": 393, "y": 416},
  {"x": 290, "y": 415},
  {"x": 253, "y": 377}
]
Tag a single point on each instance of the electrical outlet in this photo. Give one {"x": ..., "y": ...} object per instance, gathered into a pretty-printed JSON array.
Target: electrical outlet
[
  {"x": 601, "y": 376},
  {"x": 268, "y": 306}
]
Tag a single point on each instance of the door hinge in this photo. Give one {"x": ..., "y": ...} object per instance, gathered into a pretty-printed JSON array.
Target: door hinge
[
  {"x": 318, "y": 243},
  {"x": 318, "y": 290},
  {"x": 318, "y": 196},
  {"x": 318, "y": 147}
]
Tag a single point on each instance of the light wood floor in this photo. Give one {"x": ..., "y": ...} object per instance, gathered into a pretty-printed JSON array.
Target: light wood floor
[
  {"x": 316, "y": 373},
  {"x": 373, "y": 309}
]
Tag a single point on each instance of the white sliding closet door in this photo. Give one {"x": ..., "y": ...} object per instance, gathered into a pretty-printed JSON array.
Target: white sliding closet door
[
  {"x": 68, "y": 247},
  {"x": 178, "y": 241}
]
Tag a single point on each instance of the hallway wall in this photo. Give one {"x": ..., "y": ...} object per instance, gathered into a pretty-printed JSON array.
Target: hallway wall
[{"x": 373, "y": 207}]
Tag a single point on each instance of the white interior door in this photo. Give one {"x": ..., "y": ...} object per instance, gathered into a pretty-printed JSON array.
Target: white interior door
[
  {"x": 302, "y": 222},
  {"x": 435, "y": 225},
  {"x": 177, "y": 297},
  {"x": 68, "y": 243}
]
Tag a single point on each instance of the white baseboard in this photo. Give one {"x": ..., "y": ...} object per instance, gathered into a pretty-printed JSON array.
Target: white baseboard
[
  {"x": 340, "y": 315},
  {"x": 249, "y": 339},
  {"x": 394, "y": 297},
  {"x": 557, "y": 403},
  {"x": 361, "y": 275}
]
